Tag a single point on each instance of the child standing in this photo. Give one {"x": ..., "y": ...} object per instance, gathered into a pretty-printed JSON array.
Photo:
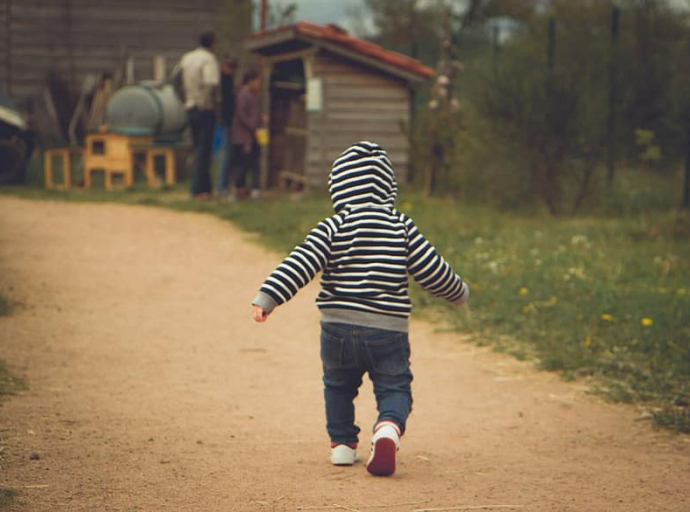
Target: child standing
[{"x": 366, "y": 252}]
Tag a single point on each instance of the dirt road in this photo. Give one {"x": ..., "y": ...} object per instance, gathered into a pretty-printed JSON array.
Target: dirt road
[{"x": 151, "y": 389}]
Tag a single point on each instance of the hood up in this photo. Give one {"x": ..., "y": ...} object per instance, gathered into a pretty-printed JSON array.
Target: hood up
[{"x": 362, "y": 175}]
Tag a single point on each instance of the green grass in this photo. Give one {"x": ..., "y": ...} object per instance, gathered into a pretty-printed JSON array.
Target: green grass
[
  {"x": 602, "y": 299},
  {"x": 5, "y": 306},
  {"x": 607, "y": 299},
  {"x": 7, "y": 498},
  {"x": 9, "y": 384}
]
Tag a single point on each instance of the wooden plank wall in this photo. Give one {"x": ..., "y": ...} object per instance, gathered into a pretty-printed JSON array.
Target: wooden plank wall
[
  {"x": 78, "y": 37},
  {"x": 359, "y": 104},
  {"x": 4, "y": 39}
]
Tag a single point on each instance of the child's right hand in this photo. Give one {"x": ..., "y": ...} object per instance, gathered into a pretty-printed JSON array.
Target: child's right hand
[{"x": 259, "y": 314}]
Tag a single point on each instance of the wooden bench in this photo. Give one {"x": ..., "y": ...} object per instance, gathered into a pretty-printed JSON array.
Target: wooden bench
[
  {"x": 111, "y": 153},
  {"x": 151, "y": 152},
  {"x": 65, "y": 155},
  {"x": 287, "y": 178}
]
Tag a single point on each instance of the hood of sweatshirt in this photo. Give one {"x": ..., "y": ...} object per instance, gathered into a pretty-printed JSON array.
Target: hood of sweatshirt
[{"x": 362, "y": 175}]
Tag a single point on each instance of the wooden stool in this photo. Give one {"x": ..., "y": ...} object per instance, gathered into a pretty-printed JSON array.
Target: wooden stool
[
  {"x": 112, "y": 153},
  {"x": 65, "y": 156},
  {"x": 169, "y": 154},
  {"x": 288, "y": 178}
]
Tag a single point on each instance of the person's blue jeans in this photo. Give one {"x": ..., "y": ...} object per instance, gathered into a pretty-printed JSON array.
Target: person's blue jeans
[
  {"x": 202, "y": 124},
  {"x": 347, "y": 352},
  {"x": 224, "y": 174}
]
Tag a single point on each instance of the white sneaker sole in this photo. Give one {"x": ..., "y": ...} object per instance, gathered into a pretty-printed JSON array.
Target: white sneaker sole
[{"x": 343, "y": 455}]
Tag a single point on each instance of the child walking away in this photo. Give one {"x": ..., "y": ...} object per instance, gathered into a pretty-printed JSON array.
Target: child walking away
[{"x": 366, "y": 252}]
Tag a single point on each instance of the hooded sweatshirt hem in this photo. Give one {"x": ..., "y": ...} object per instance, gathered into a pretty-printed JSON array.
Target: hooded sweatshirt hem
[{"x": 363, "y": 318}]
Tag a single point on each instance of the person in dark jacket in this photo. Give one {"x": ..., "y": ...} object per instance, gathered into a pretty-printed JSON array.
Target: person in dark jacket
[{"x": 227, "y": 114}]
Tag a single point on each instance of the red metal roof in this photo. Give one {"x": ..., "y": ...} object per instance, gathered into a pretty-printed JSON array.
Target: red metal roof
[{"x": 336, "y": 35}]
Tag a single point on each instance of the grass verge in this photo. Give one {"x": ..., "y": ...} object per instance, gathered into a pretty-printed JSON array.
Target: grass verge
[
  {"x": 605, "y": 299},
  {"x": 9, "y": 384},
  {"x": 7, "y": 498}
]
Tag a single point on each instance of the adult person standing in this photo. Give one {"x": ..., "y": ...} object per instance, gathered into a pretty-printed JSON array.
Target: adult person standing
[
  {"x": 227, "y": 111},
  {"x": 201, "y": 80},
  {"x": 245, "y": 148}
]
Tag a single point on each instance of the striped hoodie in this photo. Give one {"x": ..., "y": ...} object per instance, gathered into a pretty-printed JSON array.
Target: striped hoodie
[{"x": 366, "y": 251}]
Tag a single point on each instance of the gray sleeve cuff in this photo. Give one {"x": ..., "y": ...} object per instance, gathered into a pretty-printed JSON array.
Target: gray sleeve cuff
[
  {"x": 265, "y": 302},
  {"x": 465, "y": 296}
]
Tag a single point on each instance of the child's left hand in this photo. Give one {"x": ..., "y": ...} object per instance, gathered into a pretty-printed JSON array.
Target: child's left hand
[{"x": 259, "y": 314}]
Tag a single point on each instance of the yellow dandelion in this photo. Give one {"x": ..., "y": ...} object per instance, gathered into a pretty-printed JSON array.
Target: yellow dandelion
[
  {"x": 606, "y": 317},
  {"x": 587, "y": 341},
  {"x": 646, "y": 322},
  {"x": 524, "y": 291},
  {"x": 407, "y": 206}
]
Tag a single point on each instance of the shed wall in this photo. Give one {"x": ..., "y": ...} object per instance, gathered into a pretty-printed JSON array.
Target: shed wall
[
  {"x": 358, "y": 104},
  {"x": 4, "y": 40},
  {"x": 78, "y": 37}
]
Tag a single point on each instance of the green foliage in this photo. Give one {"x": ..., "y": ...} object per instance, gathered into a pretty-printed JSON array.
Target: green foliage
[
  {"x": 543, "y": 111},
  {"x": 9, "y": 384},
  {"x": 676, "y": 418},
  {"x": 236, "y": 21},
  {"x": 7, "y": 498},
  {"x": 435, "y": 151},
  {"x": 602, "y": 298},
  {"x": 403, "y": 24},
  {"x": 543, "y": 103},
  {"x": 650, "y": 152},
  {"x": 280, "y": 14},
  {"x": 5, "y": 306},
  {"x": 652, "y": 73}
]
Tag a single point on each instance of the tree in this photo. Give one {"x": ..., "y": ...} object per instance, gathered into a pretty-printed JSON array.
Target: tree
[
  {"x": 280, "y": 14},
  {"x": 236, "y": 22},
  {"x": 550, "y": 104},
  {"x": 404, "y": 24}
]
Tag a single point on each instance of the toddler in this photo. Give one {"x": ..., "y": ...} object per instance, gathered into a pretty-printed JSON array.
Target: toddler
[{"x": 366, "y": 252}]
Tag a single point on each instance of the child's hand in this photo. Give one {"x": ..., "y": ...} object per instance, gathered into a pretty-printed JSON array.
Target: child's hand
[{"x": 259, "y": 314}]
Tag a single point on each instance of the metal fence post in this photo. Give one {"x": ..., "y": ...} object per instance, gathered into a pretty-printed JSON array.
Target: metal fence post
[{"x": 613, "y": 96}]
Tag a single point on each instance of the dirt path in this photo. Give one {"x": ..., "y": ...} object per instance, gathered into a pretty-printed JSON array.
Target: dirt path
[{"x": 151, "y": 389}]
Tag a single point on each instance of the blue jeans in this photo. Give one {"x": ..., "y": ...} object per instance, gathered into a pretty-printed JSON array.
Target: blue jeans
[
  {"x": 347, "y": 352},
  {"x": 224, "y": 174}
]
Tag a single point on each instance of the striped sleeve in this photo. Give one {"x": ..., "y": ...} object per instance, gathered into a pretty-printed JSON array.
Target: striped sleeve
[
  {"x": 430, "y": 270},
  {"x": 299, "y": 268}
]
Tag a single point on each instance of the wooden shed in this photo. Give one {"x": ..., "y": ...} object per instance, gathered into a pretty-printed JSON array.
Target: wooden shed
[
  {"x": 74, "y": 38},
  {"x": 324, "y": 90}
]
